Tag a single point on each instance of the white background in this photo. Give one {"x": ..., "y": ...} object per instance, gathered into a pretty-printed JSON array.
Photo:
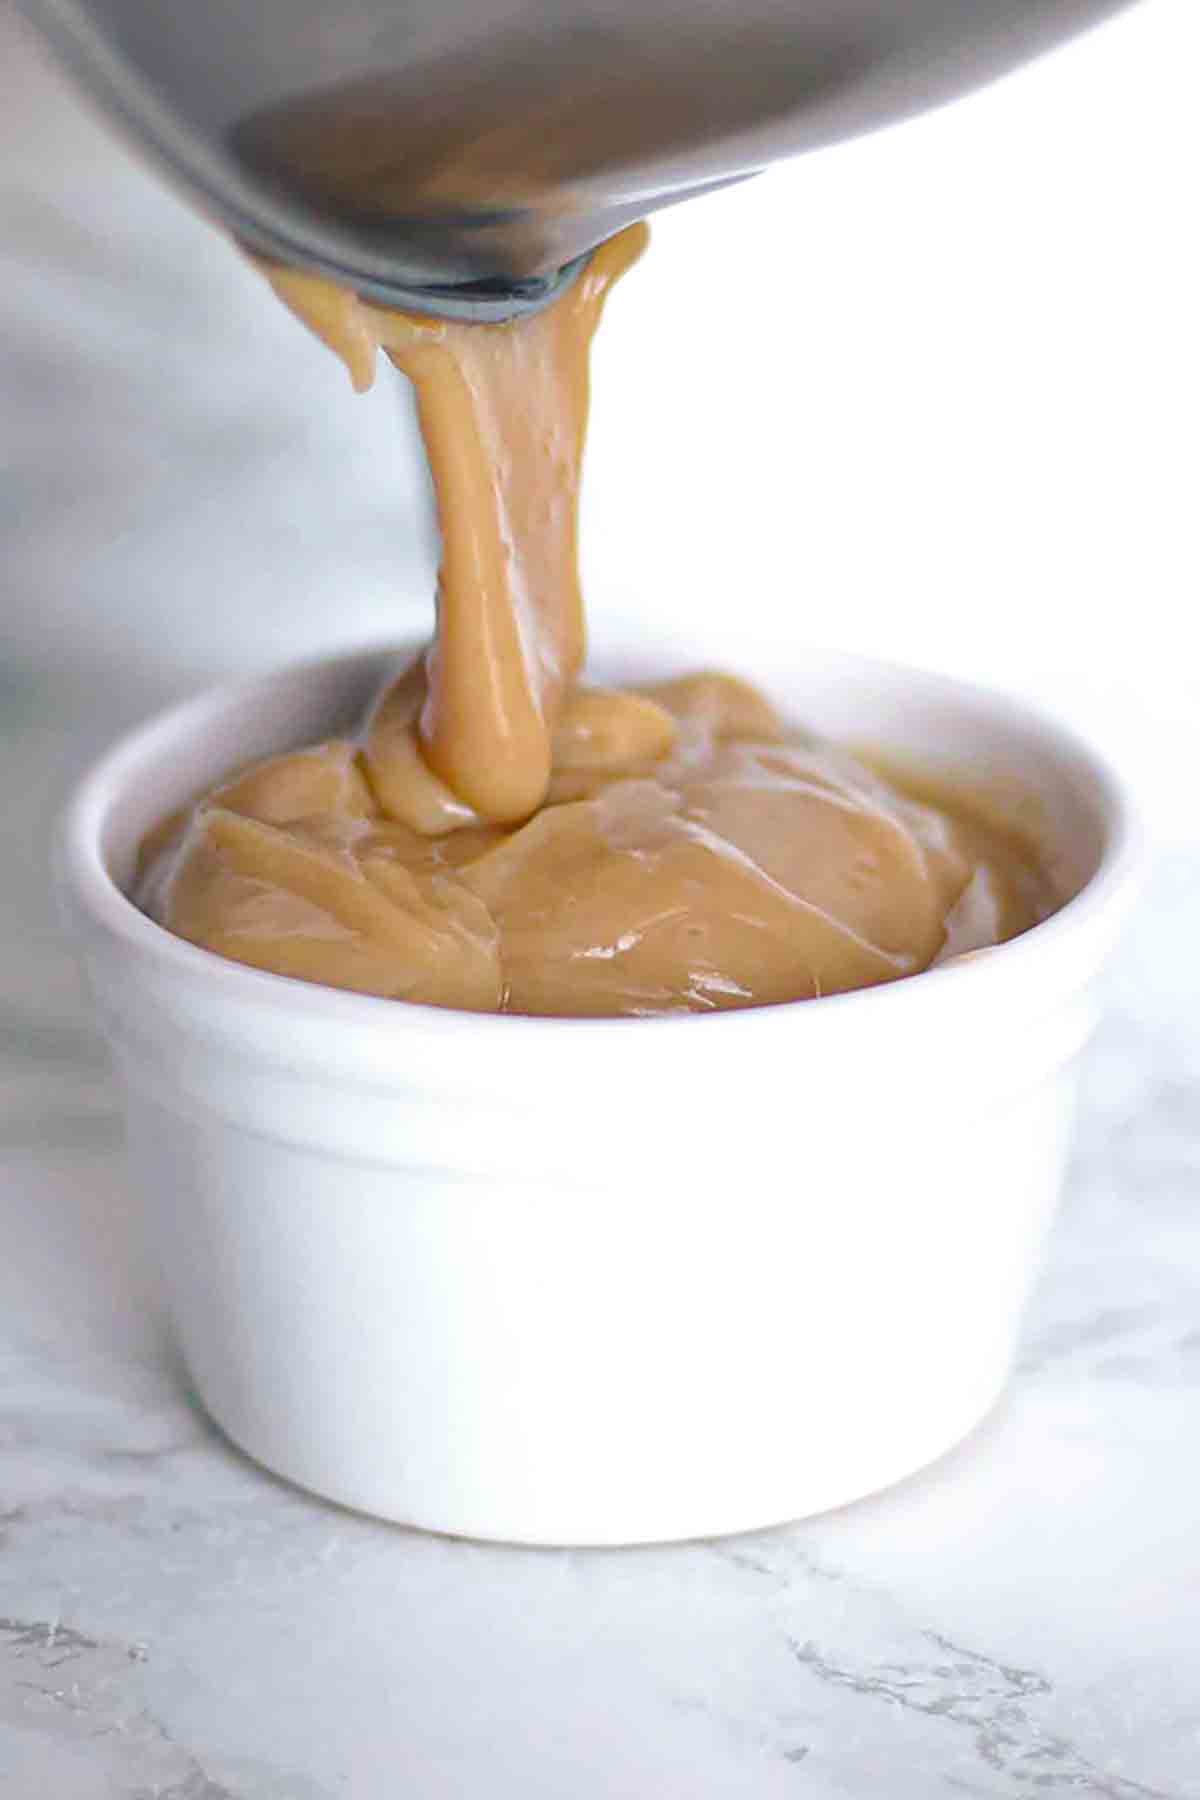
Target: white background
[
  {"x": 937, "y": 396},
  {"x": 933, "y": 394}
]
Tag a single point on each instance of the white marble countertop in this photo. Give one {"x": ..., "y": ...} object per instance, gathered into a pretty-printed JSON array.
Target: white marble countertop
[{"x": 1022, "y": 1620}]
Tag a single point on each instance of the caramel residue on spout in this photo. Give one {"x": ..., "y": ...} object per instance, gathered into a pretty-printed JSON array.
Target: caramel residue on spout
[{"x": 503, "y": 412}]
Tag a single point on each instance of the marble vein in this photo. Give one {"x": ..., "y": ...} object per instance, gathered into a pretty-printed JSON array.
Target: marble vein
[{"x": 994, "y": 1702}]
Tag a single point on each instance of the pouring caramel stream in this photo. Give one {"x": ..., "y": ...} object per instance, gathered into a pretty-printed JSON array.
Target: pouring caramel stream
[
  {"x": 503, "y": 412},
  {"x": 504, "y": 839}
]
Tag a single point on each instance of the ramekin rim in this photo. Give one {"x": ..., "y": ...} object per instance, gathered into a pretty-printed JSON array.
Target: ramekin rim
[{"x": 80, "y": 867}]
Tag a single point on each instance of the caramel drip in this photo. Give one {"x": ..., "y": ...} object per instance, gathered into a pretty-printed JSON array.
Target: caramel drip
[{"x": 503, "y": 412}]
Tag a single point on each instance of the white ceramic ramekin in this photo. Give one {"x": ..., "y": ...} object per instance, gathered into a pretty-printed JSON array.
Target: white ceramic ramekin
[{"x": 599, "y": 1281}]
